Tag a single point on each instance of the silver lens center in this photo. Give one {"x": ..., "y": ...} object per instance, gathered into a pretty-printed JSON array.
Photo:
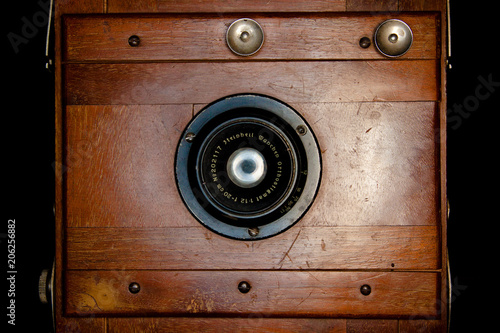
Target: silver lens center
[{"x": 246, "y": 167}]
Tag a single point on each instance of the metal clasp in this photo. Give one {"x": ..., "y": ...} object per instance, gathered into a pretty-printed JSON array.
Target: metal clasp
[{"x": 49, "y": 63}]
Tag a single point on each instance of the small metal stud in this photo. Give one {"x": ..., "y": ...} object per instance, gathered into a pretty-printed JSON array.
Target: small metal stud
[
  {"x": 254, "y": 232},
  {"x": 365, "y": 42},
  {"x": 134, "y": 41},
  {"x": 365, "y": 289},
  {"x": 134, "y": 287},
  {"x": 301, "y": 130},
  {"x": 190, "y": 137},
  {"x": 244, "y": 287}
]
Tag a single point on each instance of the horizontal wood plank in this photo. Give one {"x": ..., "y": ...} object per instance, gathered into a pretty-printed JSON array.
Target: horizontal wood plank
[
  {"x": 83, "y": 324},
  {"x": 272, "y": 293},
  {"x": 301, "y": 247},
  {"x": 371, "y": 325},
  {"x": 419, "y": 325},
  {"x": 292, "y": 82},
  {"x": 379, "y": 165},
  {"x": 372, "y": 6},
  {"x": 248, "y": 324},
  {"x": 201, "y": 37},
  {"x": 214, "y": 6},
  {"x": 422, "y": 5},
  {"x": 260, "y": 323}
]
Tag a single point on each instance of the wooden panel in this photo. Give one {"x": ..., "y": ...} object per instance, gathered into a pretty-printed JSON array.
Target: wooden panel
[
  {"x": 273, "y": 293},
  {"x": 214, "y": 6},
  {"x": 251, "y": 324},
  {"x": 119, "y": 165},
  {"x": 292, "y": 82},
  {"x": 418, "y": 325},
  {"x": 85, "y": 324},
  {"x": 372, "y": 6},
  {"x": 353, "y": 234},
  {"x": 318, "y": 36},
  {"x": 78, "y": 6},
  {"x": 298, "y": 248},
  {"x": 372, "y": 325},
  {"x": 422, "y": 5},
  {"x": 379, "y": 164}
]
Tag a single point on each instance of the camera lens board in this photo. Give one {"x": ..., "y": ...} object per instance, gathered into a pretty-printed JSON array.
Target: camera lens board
[{"x": 243, "y": 164}]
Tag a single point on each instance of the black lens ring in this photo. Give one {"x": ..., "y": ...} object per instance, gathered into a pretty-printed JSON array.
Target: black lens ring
[
  {"x": 215, "y": 182},
  {"x": 228, "y": 108}
]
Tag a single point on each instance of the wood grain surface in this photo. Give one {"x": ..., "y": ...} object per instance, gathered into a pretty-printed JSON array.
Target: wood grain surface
[
  {"x": 390, "y": 248},
  {"x": 291, "y": 82},
  {"x": 213, "y": 6},
  {"x": 201, "y": 37},
  {"x": 378, "y": 218},
  {"x": 151, "y": 6},
  {"x": 272, "y": 293},
  {"x": 379, "y": 164}
]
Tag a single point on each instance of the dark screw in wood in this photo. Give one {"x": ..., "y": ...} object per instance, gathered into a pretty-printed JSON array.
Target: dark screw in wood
[
  {"x": 366, "y": 289},
  {"x": 134, "y": 287},
  {"x": 134, "y": 41},
  {"x": 365, "y": 42},
  {"x": 244, "y": 287}
]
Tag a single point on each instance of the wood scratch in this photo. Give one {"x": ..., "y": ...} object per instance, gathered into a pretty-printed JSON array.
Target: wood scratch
[
  {"x": 95, "y": 301},
  {"x": 305, "y": 298},
  {"x": 288, "y": 251}
]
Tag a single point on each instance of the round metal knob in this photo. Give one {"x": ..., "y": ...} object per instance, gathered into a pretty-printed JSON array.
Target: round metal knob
[
  {"x": 245, "y": 37},
  {"x": 246, "y": 167},
  {"x": 393, "y": 38},
  {"x": 46, "y": 288}
]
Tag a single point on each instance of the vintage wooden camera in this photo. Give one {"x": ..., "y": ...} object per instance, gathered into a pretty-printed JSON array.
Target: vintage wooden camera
[{"x": 274, "y": 166}]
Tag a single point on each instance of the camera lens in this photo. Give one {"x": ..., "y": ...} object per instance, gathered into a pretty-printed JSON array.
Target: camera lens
[{"x": 247, "y": 167}]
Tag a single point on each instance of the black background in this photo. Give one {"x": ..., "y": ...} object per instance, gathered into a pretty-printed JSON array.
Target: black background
[{"x": 28, "y": 154}]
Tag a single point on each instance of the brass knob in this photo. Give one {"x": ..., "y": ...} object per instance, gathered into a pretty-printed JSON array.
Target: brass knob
[
  {"x": 393, "y": 38},
  {"x": 244, "y": 37}
]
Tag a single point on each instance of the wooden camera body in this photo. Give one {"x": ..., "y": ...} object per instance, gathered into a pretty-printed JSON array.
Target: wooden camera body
[{"x": 160, "y": 226}]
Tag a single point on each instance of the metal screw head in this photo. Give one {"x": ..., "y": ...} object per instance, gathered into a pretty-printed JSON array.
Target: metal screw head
[
  {"x": 134, "y": 287},
  {"x": 134, "y": 41},
  {"x": 190, "y": 137},
  {"x": 244, "y": 287},
  {"x": 365, "y": 42},
  {"x": 365, "y": 289},
  {"x": 301, "y": 130},
  {"x": 254, "y": 232}
]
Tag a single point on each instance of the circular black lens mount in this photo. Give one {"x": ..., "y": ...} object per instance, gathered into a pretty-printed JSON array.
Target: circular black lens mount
[{"x": 243, "y": 164}]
